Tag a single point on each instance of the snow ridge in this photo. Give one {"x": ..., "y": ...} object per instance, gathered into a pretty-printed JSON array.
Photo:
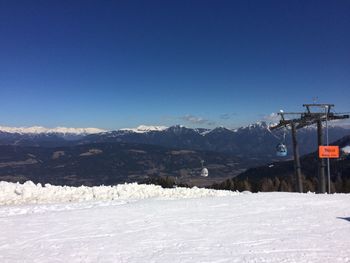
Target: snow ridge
[
  {"x": 145, "y": 128},
  {"x": 30, "y": 193},
  {"x": 40, "y": 129}
]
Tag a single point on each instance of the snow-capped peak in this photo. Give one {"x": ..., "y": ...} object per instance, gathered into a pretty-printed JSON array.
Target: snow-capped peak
[
  {"x": 145, "y": 128},
  {"x": 259, "y": 124},
  {"x": 219, "y": 129},
  {"x": 40, "y": 129}
]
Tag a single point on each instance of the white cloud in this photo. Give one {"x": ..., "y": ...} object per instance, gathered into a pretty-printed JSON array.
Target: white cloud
[{"x": 272, "y": 118}]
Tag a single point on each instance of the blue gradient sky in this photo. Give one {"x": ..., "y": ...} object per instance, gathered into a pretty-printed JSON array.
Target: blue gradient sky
[{"x": 115, "y": 64}]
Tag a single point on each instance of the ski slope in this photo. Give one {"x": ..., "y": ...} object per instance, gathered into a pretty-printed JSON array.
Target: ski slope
[{"x": 150, "y": 224}]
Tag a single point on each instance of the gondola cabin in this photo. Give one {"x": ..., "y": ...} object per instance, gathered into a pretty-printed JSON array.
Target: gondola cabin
[
  {"x": 204, "y": 172},
  {"x": 281, "y": 150}
]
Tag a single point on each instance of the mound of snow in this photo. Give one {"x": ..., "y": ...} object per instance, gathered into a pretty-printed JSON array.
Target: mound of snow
[{"x": 29, "y": 193}]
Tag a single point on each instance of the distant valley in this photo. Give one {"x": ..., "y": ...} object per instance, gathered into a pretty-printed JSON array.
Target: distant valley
[{"x": 113, "y": 163}]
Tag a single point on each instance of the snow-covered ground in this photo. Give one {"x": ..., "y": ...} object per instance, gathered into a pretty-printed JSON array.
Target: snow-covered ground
[{"x": 207, "y": 226}]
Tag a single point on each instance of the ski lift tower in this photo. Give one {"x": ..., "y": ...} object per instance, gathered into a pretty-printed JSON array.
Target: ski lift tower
[
  {"x": 310, "y": 117},
  {"x": 292, "y": 123}
]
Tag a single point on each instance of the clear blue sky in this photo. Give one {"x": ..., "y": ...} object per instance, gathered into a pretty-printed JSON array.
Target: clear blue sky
[{"x": 114, "y": 64}]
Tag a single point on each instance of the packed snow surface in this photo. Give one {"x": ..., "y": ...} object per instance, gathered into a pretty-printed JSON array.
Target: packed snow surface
[
  {"x": 40, "y": 129},
  {"x": 263, "y": 227}
]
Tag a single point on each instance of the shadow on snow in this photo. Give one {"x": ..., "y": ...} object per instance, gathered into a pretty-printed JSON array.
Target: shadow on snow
[{"x": 344, "y": 218}]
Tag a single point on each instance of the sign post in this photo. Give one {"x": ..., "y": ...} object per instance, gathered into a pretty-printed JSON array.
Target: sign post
[{"x": 328, "y": 152}]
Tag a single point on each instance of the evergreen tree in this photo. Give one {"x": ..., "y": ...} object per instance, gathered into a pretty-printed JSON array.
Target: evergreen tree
[
  {"x": 339, "y": 184},
  {"x": 308, "y": 186},
  {"x": 276, "y": 184},
  {"x": 347, "y": 186},
  {"x": 267, "y": 185},
  {"x": 246, "y": 185},
  {"x": 284, "y": 186}
]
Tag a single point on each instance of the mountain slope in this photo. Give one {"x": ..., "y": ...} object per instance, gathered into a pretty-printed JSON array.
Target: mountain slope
[
  {"x": 255, "y": 140},
  {"x": 41, "y": 136},
  {"x": 111, "y": 163},
  {"x": 340, "y": 170}
]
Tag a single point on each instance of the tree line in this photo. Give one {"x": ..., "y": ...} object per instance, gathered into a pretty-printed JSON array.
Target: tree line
[
  {"x": 340, "y": 184},
  {"x": 282, "y": 184}
]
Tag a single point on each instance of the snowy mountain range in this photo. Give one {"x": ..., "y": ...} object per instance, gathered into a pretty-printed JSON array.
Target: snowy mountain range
[
  {"x": 255, "y": 140},
  {"x": 127, "y": 155},
  {"x": 43, "y": 130},
  {"x": 145, "y": 128},
  {"x": 41, "y": 136}
]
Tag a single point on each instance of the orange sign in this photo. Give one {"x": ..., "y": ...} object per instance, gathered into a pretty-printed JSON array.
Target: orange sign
[{"x": 328, "y": 151}]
